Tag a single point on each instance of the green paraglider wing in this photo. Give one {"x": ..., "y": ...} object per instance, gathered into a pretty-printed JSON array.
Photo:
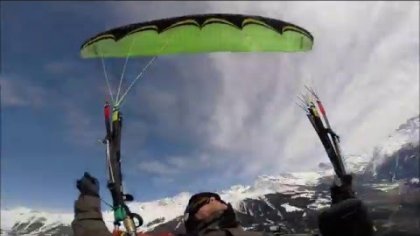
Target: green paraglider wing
[{"x": 199, "y": 34}]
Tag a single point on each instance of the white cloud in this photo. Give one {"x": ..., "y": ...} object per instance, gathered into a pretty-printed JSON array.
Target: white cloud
[
  {"x": 59, "y": 67},
  {"x": 81, "y": 127},
  {"x": 174, "y": 165},
  {"x": 162, "y": 180},
  {"x": 156, "y": 167},
  {"x": 18, "y": 93},
  {"x": 365, "y": 66}
]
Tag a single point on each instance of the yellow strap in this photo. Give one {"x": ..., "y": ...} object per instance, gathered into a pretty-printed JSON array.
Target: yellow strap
[{"x": 115, "y": 115}]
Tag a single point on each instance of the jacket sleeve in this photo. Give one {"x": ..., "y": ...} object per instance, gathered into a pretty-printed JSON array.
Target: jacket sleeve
[{"x": 88, "y": 217}]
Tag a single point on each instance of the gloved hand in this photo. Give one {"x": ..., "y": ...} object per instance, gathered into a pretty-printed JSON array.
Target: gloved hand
[
  {"x": 88, "y": 185},
  {"x": 343, "y": 192},
  {"x": 347, "y": 218}
]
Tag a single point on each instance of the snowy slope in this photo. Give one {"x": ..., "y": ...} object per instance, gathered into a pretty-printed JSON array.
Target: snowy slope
[
  {"x": 164, "y": 209},
  {"x": 407, "y": 133},
  {"x": 355, "y": 164},
  {"x": 285, "y": 183},
  {"x": 28, "y": 220}
]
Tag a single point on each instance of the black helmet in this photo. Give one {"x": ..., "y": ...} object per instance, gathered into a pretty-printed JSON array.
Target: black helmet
[{"x": 194, "y": 204}]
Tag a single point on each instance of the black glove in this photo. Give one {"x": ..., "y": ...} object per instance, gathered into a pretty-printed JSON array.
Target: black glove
[
  {"x": 88, "y": 185},
  {"x": 347, "y": 218},
  {"x": 343, "y": 192}
]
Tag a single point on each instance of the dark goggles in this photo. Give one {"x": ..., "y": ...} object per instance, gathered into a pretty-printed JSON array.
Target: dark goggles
[
  {"x": 197, "y": 203},
  {"x": 195, "y": 206}
]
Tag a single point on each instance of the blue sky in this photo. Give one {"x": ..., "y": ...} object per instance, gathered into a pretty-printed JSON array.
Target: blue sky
[
  {"x": 199, "y": 122},
  {"x": 53, "y": 114}
]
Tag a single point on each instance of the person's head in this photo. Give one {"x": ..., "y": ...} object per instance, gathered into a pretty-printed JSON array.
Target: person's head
[{"x": 203, "y": 208}]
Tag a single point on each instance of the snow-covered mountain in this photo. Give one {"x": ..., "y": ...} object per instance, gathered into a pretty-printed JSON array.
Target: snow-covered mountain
[
  {"x": 407, "y": 133},
  {"x": 25, "y": 221},
  {"x": 289, "y": 201},
  {"x": 399, "y": 156},
  {"x": 164, "y": 210}
]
